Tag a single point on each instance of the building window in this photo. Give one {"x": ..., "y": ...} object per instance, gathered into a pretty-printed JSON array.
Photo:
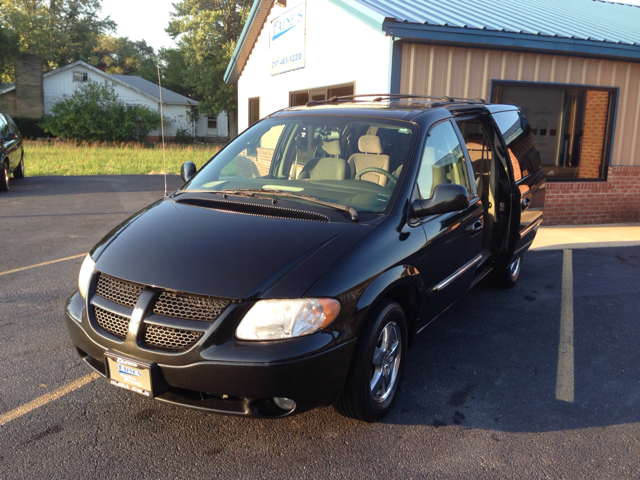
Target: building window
[
  {"x": 254, "y": 110},
  {"x": 571, "y": 124},
  {"x": 80, "y": 76},
  {"x": 301, "y": 97},
  {"x": 212, "y": 122}
]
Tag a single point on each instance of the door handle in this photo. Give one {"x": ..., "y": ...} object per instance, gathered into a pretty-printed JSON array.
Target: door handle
[
  {"x": 526, "y": 202},
  {"x": 476, "y": 227}
]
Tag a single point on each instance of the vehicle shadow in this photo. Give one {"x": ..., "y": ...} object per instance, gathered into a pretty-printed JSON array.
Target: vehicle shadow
[{"x": 491, "y": 360}]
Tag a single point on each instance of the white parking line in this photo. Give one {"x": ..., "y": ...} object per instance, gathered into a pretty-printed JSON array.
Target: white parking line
[
  {"x": 42, "y": 264},
  {"x": 565, "y": 376},
  {"x": 46, "y": 398}
]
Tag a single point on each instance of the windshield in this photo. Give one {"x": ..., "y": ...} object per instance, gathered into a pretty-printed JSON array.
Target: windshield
[{"x": 352, "y": 161}]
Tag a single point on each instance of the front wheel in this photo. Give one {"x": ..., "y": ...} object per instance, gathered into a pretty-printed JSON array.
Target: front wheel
[
  {"x": 377, "y": 365},
  {"x": 507, "y": 275},
  {"x": 4, "y": 179}
]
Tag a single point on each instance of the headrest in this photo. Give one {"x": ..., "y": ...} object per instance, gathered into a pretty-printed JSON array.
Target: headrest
[
  {"x": 331, "y": 147},
  {"x": 369, "y": 144},
  {"x": 474, "y": 140}
]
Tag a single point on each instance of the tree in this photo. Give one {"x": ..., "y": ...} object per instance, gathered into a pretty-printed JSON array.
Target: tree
[
  {"x": 60, "y": 31},
  {"x": 95, "y": 113},
  {"x": 207, "y": 32},
  {"x": 8, "y": 51},
  {"x": 173, "y": 69},
  {"x": 126, "y": 57}
]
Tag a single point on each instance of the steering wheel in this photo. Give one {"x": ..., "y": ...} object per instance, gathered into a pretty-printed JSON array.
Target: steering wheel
[{"x": 381, "y": 171}]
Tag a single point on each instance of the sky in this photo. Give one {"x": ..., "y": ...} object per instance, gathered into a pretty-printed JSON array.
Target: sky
[
  {"x": 147, "y": 19},
  {"x": 141, "y": 20}
]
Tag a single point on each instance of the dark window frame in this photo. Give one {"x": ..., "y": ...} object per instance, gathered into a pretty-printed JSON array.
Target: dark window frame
[
  {"x": 316, "y": 90},
  {"x": 84, "y": 76},
  {"x": 251, "y": 110},
  {"x": 214, "y": 121},
  {"x": 610, "y": 129}
]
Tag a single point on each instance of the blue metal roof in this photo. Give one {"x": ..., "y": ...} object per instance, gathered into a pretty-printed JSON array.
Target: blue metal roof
[
  {"x": 571, "y": 27},
  {"x": 590, "y": 20}
]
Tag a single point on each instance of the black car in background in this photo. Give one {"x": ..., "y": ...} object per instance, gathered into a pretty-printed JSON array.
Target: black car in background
[
  {"x": 11, "y": 151},
  {"x": 295, "y": 268}
]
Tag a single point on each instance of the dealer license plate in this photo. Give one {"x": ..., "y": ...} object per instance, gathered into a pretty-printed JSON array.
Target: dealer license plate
[{"x": 129, "y": 374}]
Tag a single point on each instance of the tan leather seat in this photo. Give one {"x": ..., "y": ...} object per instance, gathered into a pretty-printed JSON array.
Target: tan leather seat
[
  {"x": 327, "y": 168},
  {"x": 371, "y": 156}
]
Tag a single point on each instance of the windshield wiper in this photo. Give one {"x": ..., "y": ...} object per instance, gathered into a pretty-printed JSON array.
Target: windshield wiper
[{"x": 283, "y": 193}]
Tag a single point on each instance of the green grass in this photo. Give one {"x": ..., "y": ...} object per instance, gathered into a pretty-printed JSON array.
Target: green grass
[{"x": 67, "y": 158}]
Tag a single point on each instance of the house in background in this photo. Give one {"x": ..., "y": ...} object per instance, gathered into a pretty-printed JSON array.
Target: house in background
[{"x": 132, "y": 90}]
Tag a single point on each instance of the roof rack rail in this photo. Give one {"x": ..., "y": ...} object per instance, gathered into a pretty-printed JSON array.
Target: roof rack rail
[{"x": 379, "y": 97}]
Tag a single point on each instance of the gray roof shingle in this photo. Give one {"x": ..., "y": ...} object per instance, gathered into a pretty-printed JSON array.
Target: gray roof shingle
[{"x": 151, "y": 88}]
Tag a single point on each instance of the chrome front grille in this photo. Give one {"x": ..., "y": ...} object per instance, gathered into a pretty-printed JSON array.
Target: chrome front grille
[
  {"x": 118, "y": 291},
  {"x": 116, "y": 325},
  {"x": 167, "y": 338},
  {"x": 189, "y": 307}
]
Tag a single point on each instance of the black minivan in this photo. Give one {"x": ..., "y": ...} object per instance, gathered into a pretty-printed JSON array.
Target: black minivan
[{"x": 295, "y": 268}]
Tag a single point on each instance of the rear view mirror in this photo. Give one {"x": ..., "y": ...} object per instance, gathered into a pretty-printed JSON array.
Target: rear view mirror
[
  {"x": 187, "y": 171},
  {"x": 447, "y": 197}
]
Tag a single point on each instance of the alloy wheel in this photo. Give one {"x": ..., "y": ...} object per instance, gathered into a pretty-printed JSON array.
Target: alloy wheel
[
  {"x": 385, "y": 363},
  {"x": 514, "y": 268}
]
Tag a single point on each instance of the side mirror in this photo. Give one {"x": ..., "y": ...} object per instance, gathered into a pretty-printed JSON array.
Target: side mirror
[
  {"x": 187, "y": 171},
  {"x": 10, "y": 136},
  {"x": 447, "y": 197}
]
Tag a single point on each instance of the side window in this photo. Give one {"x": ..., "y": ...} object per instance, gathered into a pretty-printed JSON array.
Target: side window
[
  {"x": 3, "y": 126},
  {"x": 517, "y": 134},
  {"x": 442, "y": 161},
  {"x": 80, "y": 76}
]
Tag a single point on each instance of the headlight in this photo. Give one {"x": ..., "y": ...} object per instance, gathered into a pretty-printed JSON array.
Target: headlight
[
  {"x": 275, "y": 319},
  {"x": 85, "y": 275}
]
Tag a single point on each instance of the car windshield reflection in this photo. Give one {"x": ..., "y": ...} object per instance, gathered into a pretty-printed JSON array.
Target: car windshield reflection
[{"x": 354, "y": 162}]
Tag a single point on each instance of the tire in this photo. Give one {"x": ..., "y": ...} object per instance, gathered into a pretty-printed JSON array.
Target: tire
[
  {"x": 377, "y": 365},
  {"x": 19, "y": 171},
  {"x": 4, "y": 178},
  {"x": 507, "y": 276}
]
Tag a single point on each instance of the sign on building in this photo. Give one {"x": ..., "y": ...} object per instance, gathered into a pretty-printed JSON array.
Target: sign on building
[{"x": 287, "y": 36}]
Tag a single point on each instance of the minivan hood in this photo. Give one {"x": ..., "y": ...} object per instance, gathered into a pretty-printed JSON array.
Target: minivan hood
[{"x": 223, "y": 254}]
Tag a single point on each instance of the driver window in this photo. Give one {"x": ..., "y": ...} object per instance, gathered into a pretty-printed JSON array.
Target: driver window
[{"x": 443, "y": 161}]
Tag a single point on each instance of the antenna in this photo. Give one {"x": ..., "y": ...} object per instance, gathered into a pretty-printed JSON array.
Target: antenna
[{"x": 164, "y": 162}]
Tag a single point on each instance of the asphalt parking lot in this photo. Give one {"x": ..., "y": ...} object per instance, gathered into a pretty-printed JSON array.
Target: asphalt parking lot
[{"x": 501, "y": 386}]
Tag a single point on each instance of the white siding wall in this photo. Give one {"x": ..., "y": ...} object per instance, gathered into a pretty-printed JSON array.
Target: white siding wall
[
  {"x": 221, "y": 131},
  {"x": 339, "y": 49},
  {"x": 60, "y": 85}
]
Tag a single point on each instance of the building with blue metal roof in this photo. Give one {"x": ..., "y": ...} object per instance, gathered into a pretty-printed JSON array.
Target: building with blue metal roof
[{"x": 573, "y": 66}]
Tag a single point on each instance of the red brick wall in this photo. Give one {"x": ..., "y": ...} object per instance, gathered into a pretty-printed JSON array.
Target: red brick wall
[
  {"x": 595, "y": 126},
  {"x": 615, "y": 201}
]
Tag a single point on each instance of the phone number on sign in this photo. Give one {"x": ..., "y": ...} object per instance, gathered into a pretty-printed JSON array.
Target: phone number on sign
[{"x": 283, "y": 61}]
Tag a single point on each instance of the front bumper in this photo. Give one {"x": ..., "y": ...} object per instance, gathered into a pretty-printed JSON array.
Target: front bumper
[{"x": 234, "y": 378}]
